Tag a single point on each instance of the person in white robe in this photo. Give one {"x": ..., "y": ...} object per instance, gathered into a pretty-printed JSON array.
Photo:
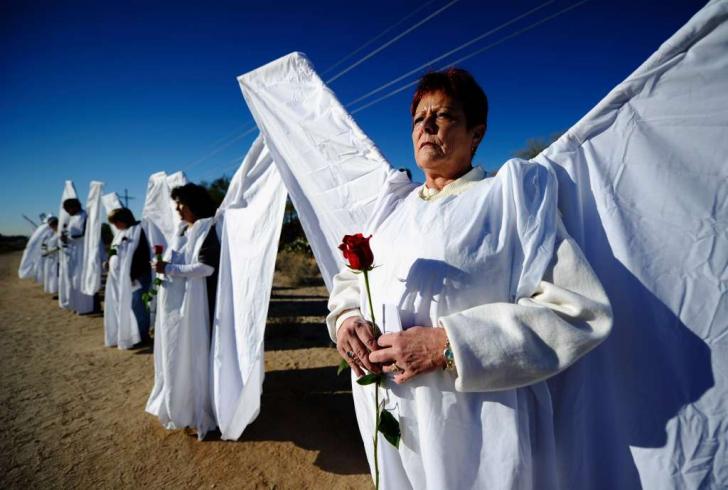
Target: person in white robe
[
  {"x": 481, "y": 295},
  {"x": 71, "y": 260},
  {"x": 49, "y": 251},
  {"x": 181, "y": 396},
  {"x": 126, "y": 317}
]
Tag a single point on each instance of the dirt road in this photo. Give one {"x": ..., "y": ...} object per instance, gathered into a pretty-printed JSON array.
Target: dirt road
[{"x": 72, "y": 410}]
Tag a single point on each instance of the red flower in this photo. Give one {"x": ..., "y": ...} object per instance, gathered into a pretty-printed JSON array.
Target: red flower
[
  {"x": 158, "y": 249},
  {"x": 357, "y": 252}
]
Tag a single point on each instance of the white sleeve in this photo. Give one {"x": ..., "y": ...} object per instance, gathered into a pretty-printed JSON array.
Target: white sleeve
[
  {"x": 501, "y": 346},
  {"x": 197, "y": 269},
  {"x": 343, "y": 301},
  {"x": 76, "y": 229}
]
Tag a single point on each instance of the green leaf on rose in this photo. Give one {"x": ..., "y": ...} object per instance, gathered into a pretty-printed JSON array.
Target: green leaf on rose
[
  {"x": 389, "y": 427},
  {"x": 368, "y": 379},
  {"x": 157, "y": 281},
  {"x": 342, "y": 366}
]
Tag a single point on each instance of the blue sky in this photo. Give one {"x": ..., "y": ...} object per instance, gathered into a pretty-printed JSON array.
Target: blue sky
[{"x": 115, "y": 91}]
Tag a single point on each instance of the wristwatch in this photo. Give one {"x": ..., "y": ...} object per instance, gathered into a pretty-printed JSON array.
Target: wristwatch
[{"x": 449, "y": 358}]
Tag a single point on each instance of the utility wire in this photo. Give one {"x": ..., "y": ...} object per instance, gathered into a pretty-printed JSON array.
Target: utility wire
[
  {"x": 401, "y": 77},
  {"x": 225, "y": 142},
  {"x": 392, "y": 41},
  {"x": 369, "y": 42},
  {"x": 475, "y": 53},
  {"x": 217, "y": 150},
  {"x": 445, "y": 55}
]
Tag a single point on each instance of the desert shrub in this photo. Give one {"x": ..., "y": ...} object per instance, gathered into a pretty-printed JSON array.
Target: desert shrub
[{"x": 297, "y": 268}]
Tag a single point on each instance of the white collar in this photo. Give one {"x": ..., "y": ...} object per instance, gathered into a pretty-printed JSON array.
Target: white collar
[{"x": 457, "y": 186}]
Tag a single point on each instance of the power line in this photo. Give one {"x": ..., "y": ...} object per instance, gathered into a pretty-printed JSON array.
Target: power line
[
  {"x": 385, "y": 31},
  {"x": 452, "y": 51},
  {"x": 401, "y": 77},
  {"x": 392, "y": 41},
  {"x": 221, "y": 147},
  {"x": 226, "y": 141},
  {"x": 474, "y": 53}
]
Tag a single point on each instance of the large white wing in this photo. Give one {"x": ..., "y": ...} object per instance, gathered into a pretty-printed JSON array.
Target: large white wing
[
  {"x": 159, "y": 219},
  {"x": 32, "y": 253},
  {"x": 69, "y": 192},
  {"x": 643, "y": 186},
  {"x": 252, "y": 216},
  {"x": 91, "y": 272},
  {"x": 332, "y": 170},
  {"x": 111, "y": 201}
]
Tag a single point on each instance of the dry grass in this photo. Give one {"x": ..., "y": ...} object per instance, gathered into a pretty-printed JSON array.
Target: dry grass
[{"x": 294, "y": 268}]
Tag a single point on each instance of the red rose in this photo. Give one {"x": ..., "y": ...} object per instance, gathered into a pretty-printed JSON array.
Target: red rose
[
  {"x": 357, "y": 252},
  {"x": 158, "y": 249}
]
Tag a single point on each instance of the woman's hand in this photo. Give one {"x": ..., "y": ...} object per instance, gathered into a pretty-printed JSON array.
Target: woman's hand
[
  {"x": 411, "y": 352},
  {"x": 354, "y": 341},
  {"x": 159, "y": 266}
]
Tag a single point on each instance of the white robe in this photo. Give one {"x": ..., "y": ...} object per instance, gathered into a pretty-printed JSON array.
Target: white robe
[
  {"x": 94, "y": 252},
  {"x": 477, "y": 263},
  {"x": 120, "y": 323},
  {"x": 71, "y": 267},
  {"x": 181, "y": 394},
  {"x": 30, "y": 262},
  {"x": 50, "y": 263}
]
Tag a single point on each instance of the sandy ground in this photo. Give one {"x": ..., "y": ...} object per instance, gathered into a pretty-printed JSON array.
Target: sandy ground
[{"x": 72, "y": 411}]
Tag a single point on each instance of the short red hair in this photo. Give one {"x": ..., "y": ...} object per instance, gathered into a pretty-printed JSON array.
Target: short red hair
[{"x": 461, "y": 86}]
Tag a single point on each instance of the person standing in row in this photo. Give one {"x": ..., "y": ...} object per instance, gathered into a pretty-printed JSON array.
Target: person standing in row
[
  {"x": 49, "y": 252},
  {"x": 185, "y": 310},
  {"x": 486, "y": 296},
  {"x": 71, "y": 260},
  {"x": 126, "y": 318}
]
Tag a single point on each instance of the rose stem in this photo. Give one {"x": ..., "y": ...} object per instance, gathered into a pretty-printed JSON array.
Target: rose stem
[{"x": 376, "y": 391}]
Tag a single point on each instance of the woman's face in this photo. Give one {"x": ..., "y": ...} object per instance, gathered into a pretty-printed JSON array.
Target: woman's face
[
  {"x": 184, "y": 212},
  {"x": 443, "y": 145}
]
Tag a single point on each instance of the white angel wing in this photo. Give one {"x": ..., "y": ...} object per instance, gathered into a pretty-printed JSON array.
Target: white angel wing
[
  {"x": 643, "y": 187},
  {"x": 91, "y": 272},
  {"x": 69, "y": 192},
  {"x": 159, "y": 219},
  {"x": 252, "y": 216},
  {"x": 111, "y": 201},
  {"x": 332, "y": 170}
]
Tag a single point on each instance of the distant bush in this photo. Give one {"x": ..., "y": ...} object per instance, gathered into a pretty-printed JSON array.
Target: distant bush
[
  {"x": 12, "y": 243},
  {"x": 297, "y": 268}
]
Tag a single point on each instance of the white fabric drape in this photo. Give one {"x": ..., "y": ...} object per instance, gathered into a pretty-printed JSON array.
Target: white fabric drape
[
  {"x": 120, "y": 323},
  {"x": 31, "y": 260},
  {"x": 159, "y": 218},
  {"x": 331, "y": 169},
  {"x": 251, "y": 215},
  {"x": 93, "y": 247},
  {"x": 642, "y": 186},
  {"x": 111, "y": 201},
  {"x": 69, "y": 192},
  {"x": 643, "y": 183}
]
